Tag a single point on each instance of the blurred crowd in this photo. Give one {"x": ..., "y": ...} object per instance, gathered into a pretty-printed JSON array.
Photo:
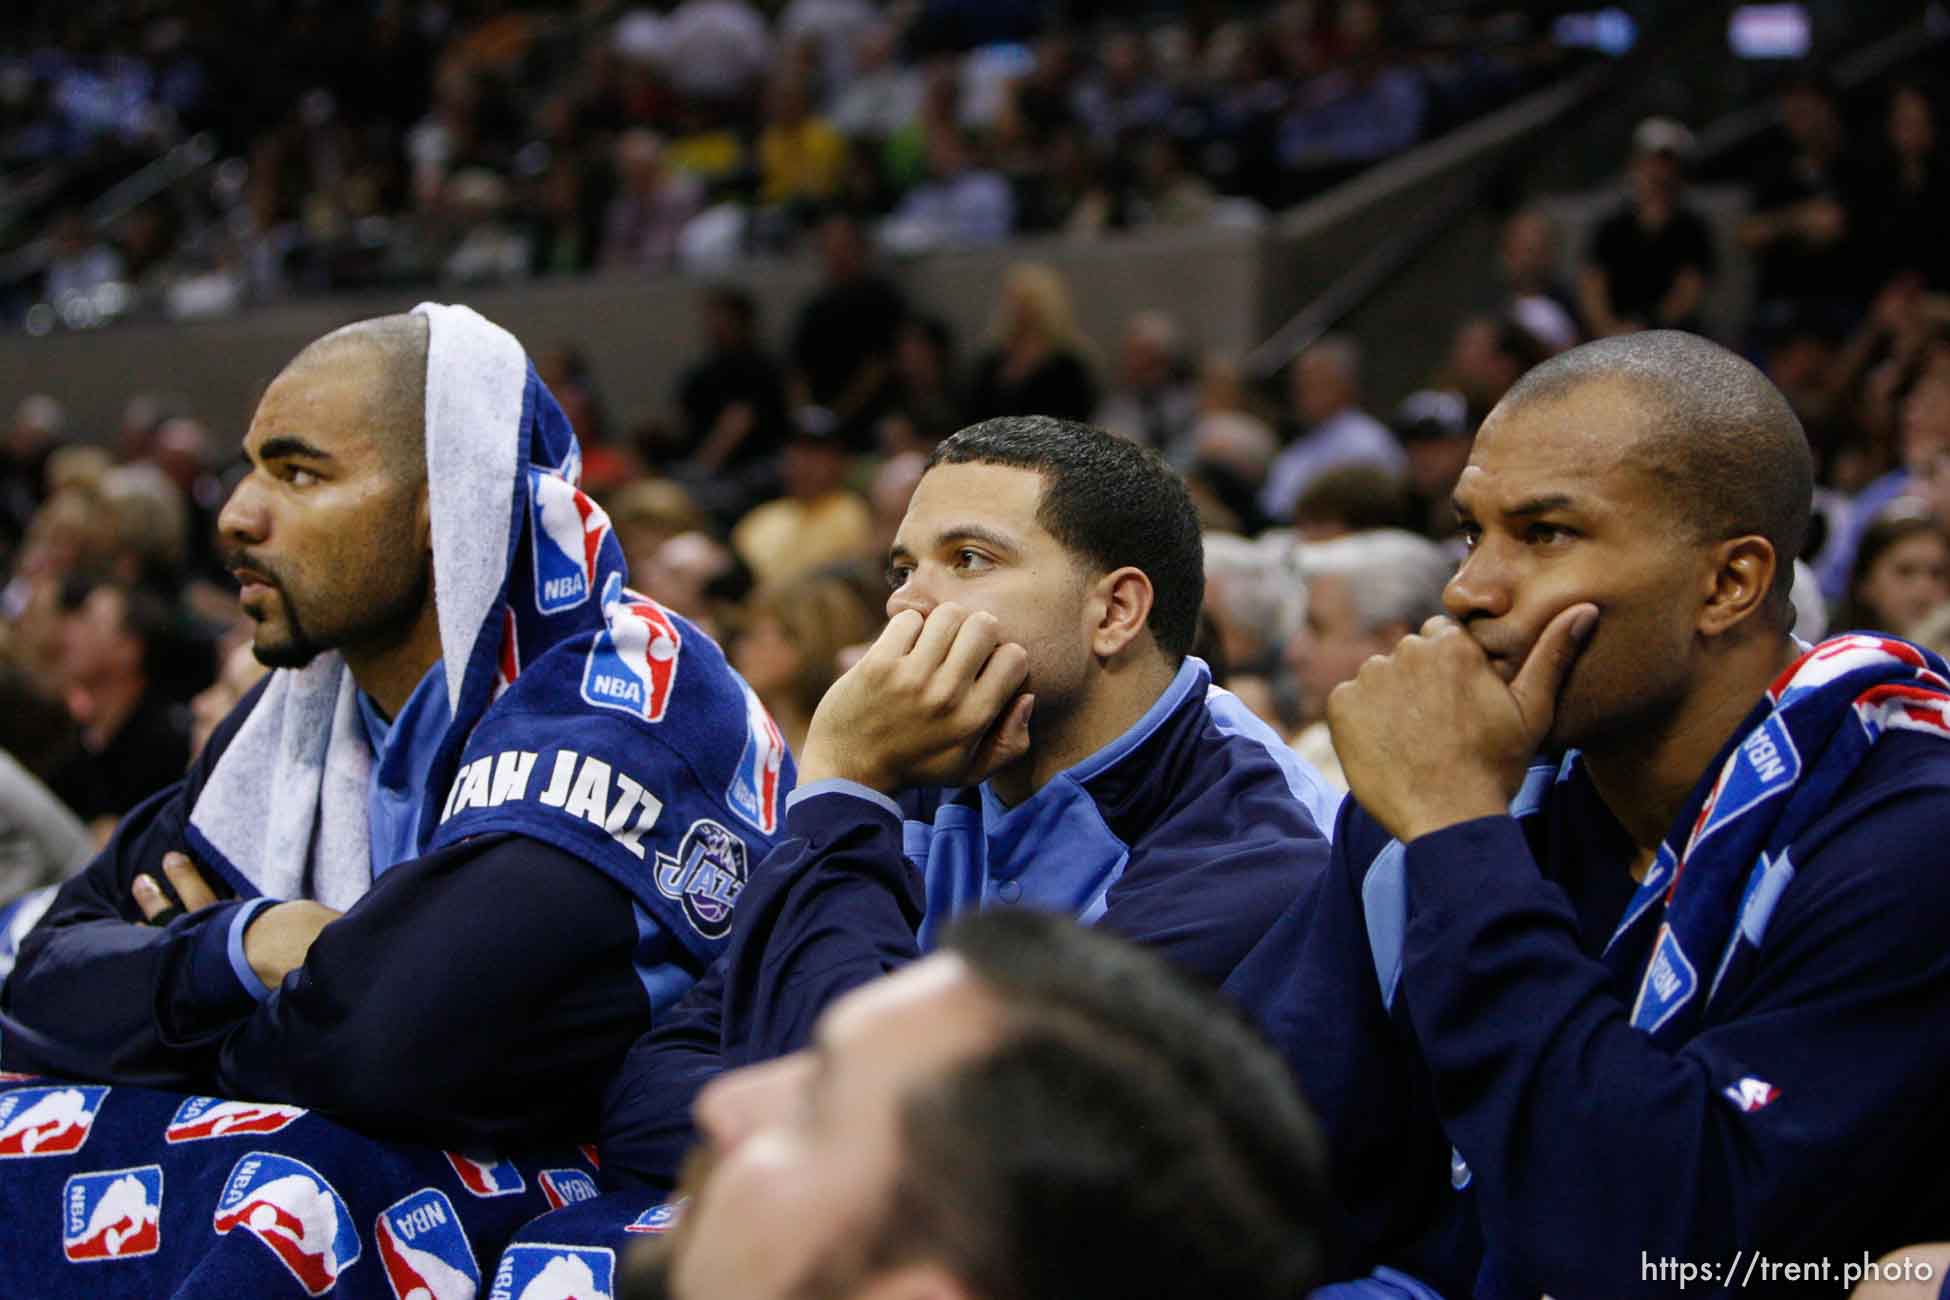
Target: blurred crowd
[
  {"x": 760, "y": 501},
  {"x": 154, "y": 161}
]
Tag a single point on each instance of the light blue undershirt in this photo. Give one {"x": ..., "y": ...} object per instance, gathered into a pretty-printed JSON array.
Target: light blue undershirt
[{"x": 402, "y": 756}]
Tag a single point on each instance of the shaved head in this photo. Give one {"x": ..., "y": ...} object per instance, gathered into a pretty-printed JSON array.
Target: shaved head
[
  {"x": 393, "y": 352},
  {"x": 1724, "y": 446}
]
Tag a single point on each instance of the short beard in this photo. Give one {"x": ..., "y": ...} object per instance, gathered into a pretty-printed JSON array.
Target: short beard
[{"x": 297, "y": 650}]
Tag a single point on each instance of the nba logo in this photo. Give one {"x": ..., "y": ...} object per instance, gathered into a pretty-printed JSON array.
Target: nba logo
[
  {"x": 546, "y": 1272},
  {"x": 112, "y": 1215},
  {"x": 288, "y": 1205},
  {"x": 424, "y": 1251},
  {"x": 568, "y": 529},
  {"x": 47, "y": 1121},
  {"x": 567, "y": 1187},
  {"x": 487, "y": 1177},
  {"x": 634, "y": 662},
  {"x": 658, "y": 1219},
  {"x": 209, "y": 1117},
  {"x": 754, "y": 792}
]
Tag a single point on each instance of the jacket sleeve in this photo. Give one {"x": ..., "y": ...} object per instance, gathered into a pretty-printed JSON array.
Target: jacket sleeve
[
  {"x": 480, "y": 994},
  {"x": 475, "y": 995},
  {"x": 83, "y": 999},
  {"x": 833, "y": 906},
  {"x": 1583, "y": 1136}
]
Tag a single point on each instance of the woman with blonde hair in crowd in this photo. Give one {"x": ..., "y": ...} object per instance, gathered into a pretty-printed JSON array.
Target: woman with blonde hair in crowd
[
  {"x": 1040, "y": 364},
  {"x": 790, "y": 644}
]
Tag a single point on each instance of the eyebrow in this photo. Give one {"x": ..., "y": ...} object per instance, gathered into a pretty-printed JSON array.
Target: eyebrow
[
  {"x": 1526, "y": 509},
  {"x": 962, "y": 532},
  {"x": 286, "y": 445}
]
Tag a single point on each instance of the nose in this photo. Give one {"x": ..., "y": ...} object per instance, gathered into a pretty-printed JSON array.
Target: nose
[
  {"x": 1481, "y": 587},
  {"x": 243, "y": 520},
  {"x": 739, "y": 1103},
  {"x": 912, "y": 594}
]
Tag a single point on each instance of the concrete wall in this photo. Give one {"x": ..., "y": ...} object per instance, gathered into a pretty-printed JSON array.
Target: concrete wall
[{"x": 638, "y": 331}]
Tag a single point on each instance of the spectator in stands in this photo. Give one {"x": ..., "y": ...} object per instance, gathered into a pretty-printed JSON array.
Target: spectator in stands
[
  {"x": 715, "y": 51},
  {"x": 1649, "y": 264},
  {"x": 37, "y": 425},
  {"x": 1901, "y": 572},
  {"x": 1040, "y": 362},
  {"x": 963, "y": 203},
  {"x": 238, "y": 671},
  {"x": 1700, "y": 928},
  {"x": 881, "y": 95},
  {"x": 1436, "y": 432},
  {"x": 1365, "y": 592},
  {"x": 928, "y": 400},
  {"x": 1123, "y": 97},
  {"x": 818, "y": 521},
  {"x": 1487, "y": 355},
  {"x": 892, "y": 1156},
  {"x": 789, "y": 647},
  {"x": 1167, "y": 193},
  {"x": 1364, "y": 107},
  {"x": 1327, "y": 427},
  {"x": 801, "y": 157},
  {"x": 644, "y": 220},
  {"x": 832, "y": 30},
  {"x": 1532, "y": 291},
  {"x": 385, "y": 455},
  {"x": 1046, "y": 571},
  {"x": 647, "y": 512},
  {"x": 843, "y": 341},
  {"x": 1902, "y": 228},
  {"x": 134, "y": 739},
  {"x": 696, "y": 575},
  {"x": 1352, "y": 498},
  {"x": 732, "y": 401},
  {"x": 78, "y": 264},
  {"x": 1799, "y": 229},
  {"x": 1923, "y": 435},
  {"x": 1152, "y": 404}
]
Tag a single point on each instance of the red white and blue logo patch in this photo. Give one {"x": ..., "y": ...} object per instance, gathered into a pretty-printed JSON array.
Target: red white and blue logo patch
[
  {"x": 201, "y": 1118},
  {"x": 568, "y": 1187},
  {"x": 568, "y": 529},
  {"x": 47, "y": 1121},
  {"x": 539, "y": 1271},
  {"x": 658, "y": 1219},
  {"x": 706, "y": 877},
  {"x": 424, "y": 1251},
  {"x": 633, "y": 664},
  {"x": 288, "y": 1205},
  {"x": 490, "y": 1177},
  {"x": 754, "y": 792},
  {"x": 116, "y": 1214},
  {"x": 1751, "y": 1094}
]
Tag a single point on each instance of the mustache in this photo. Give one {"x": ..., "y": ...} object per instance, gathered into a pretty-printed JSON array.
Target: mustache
[{"x": 236, "y": 557}]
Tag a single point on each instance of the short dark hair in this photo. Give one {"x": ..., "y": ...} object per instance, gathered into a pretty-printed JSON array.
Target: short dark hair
[
  {"x": 1109, "y": 502},
  {"x": 1129, "y": 1136},
  {"x": 398, "y": 344},
  {"x": 1359, "y": 496},
  {"x": 1717, "y": 434}
]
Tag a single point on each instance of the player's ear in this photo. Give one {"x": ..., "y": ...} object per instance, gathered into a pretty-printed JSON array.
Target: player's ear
[
  {"x": 1736, "y": 584},
  {"x": 1120, "y": 607}
]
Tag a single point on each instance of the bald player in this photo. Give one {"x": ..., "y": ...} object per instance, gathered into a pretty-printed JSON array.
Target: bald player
[
  {"x": 466, "y": 930},
  {"x": 1631, "y": 952}
]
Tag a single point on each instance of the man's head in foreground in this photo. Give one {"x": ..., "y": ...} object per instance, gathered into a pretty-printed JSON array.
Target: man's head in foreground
[
  {"x": 1664, "y": 480},
  {"x": 1037, "y": 1110},
  {"x": 329, "y": 534}
]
